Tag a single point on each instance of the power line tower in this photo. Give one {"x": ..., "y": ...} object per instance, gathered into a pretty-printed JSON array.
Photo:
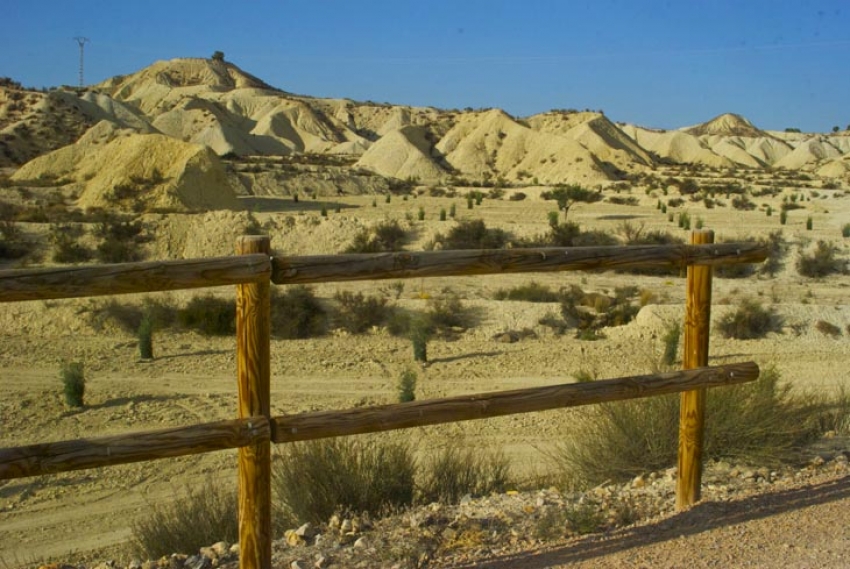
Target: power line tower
[{"x": 82, "y": 43}]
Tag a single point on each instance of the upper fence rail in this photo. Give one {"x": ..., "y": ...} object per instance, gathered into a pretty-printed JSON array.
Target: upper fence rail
[{"x": 157, "y": 276}]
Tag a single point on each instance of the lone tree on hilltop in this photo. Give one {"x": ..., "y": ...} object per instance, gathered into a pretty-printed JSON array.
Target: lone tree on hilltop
[{"x": 218, "y": 56}]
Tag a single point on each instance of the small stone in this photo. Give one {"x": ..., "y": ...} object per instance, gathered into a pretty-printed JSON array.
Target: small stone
[
  {"x": 296, "y": 565},
  {"x": 321, "y": 562},
  {"x": 345, "y": 527},
  {"x": 334, "y": 522},
  {"x": 639, "y": 481},
  {"x": 136, "y": 563},
  {"x": 307, "y": 531},
  {"x": 234, "y": 548},
  {"x": 292, "y": 538},
  {"x": 198, "y": 562},
  {"x": 360, "y": 543}
]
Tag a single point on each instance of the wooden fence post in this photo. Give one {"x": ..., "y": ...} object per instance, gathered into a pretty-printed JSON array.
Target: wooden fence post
[
  {"x": 692, "y": 406},
  {"x": 253, "y": 329}
]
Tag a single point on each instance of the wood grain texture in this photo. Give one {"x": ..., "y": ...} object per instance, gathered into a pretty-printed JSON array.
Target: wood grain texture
[
  {"x": 124, "y": 278},
  {"x": 373, "y": 266},
  {"x": 325, "y": 424},
  {"x": 50, "y": 458},
  {"x": 253, "y": 336},
  {"x": 692, "y": 405}
]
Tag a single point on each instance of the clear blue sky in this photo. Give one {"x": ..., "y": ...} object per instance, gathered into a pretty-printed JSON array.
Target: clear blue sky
[{"x": 666, "y": 64}]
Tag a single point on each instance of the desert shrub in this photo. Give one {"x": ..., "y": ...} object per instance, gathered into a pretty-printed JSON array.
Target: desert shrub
[
  {"x": 297, "y": 313},
  {"x": 446, "y": 313},
  {"x": 517, "y": 196},
  {"x": 675, "y": 202},
  {"x": 73, "y": 383},
  {"x": 351, "y": 474},
  {"x": 778, "y": 248},
  {"x": 385, "y": 236},
  {"x": 742, "y": 202},
  {"x": 472, "y": 234},
  {"x": 565, "y": 196},
  {"x": 827, "y": 328},
  {"x": 845, "y": 230},
  {"x": 670, "y": 339},
  {"x": 120, "y": 241},
  {"x": 65, "y": 239},
  {"x": 749, "y": 321},
  {"x": 129, "y": 317},
  {"x": 760, "y": 422},
  {"x": 145, "y": 335},
  {"x": 420, "y": 331},
  {"x": 195, "y": 518},
  {"x": 531, "y": 292},
  {"x": 821, "y": 262},
  {"x": 407, "y": 386},
  {"x": 592, "y": 311},
  {"x": 357, "y": 313},
  {"x": 12, "y": 244},
  {"x": 456, "y": 470},
  {"x": 209, "y": 315}
]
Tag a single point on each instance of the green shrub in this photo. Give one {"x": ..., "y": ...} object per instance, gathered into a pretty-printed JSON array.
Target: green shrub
[
  {"x": 209, "y": 315},
  {"x": 297, "y": 313},
  {"x": 822, "y": 262},
  {"x": 385, "y": 236},
  {"x": 73, "y": 383},
  {"x": 670, "y": 339},
  {"x": 554, "y": 218},
  {"x": 120, "y": 241},
  {"x": 749, "y": 321},
  {"x": 420, "y": 332},
  {"x": 324, "y": 212},
  {"x": 456, "y": 471},
  {"x": 452, "y": 211},
  {"x": 447, "y": 312},
  {"x": 421, "y": 214},
  {"x": 407, "y": 386},
  {"x": 531, "y": 292},
  {"x": 357, "y": 313},
  {"x": 845, "y": 230},
  {"x": 442, "y": 214},
  {"x": 65, "y": 239},
  {"x": 472, "y": 234},
  {"x": 145, "y": 335},
  {"x": 761, "y": 422},
  {"x": 196, "y": 518},
  {"x": 313, "y": 480},
  {"x": 809, "y": 223},
  {"x": 783, "y": 217}
]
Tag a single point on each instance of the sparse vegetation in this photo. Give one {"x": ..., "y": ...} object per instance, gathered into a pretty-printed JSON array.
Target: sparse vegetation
[
  {"x": 458, "y": 470},
  {"x": 531, "y": 292},
  {"x": 749, "y": 321},
  {"x": 763, "y": 421},
  {"x": 352, "y": 474},
  {"x": 472, "y": 234},
  {"x": 357, "y": 313},
  {"x": 827, "y": 328},
  {"x": 73, "y": 383},
  {"x": 209, "y": 315},
  {"x": 407, "y": 386},
  {"x": 822, "y": 262},
  {"x": 297, "y": 313},
  {"x": 385, "y": 236},
  {"x": 195, "y": 518}
]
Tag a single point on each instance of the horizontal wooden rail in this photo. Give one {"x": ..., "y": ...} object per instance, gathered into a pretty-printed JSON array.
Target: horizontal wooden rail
[
  {"x": 124, "y": 278},
  {"x": 325, "y": 424},
  {"x": 373, "y": 266},
  {"x": 50, "y": 458}
]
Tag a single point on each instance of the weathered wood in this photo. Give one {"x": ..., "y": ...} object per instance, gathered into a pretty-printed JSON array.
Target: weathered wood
[
  {"x": 253, "y": 333},
  {"x": 324, "y": 424},
  {"x": 373, "y": 266},
  {"x": 50, "y": 458},
  {"x": 124, "y": 278},
  {"x": 692, "y": 405}
]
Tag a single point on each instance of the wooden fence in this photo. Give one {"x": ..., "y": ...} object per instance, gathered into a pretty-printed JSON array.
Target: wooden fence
[{"x": 254, "y": 269}]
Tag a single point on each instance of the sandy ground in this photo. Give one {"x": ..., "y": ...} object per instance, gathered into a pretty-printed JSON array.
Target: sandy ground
[{"x": 192, "y": 379}]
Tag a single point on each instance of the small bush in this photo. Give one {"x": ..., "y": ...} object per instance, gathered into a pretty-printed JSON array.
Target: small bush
[
  {"x": 313, "y": 480},
  {"x": 670, "y": 339},
  {"x": 762, "y": 422},
  {"x": 297, "y": 313},
  {"x": 407, "y": 386},
  {"x": 209, "y": 315},
  {"x": 749, "y": 321},
  {"x": 420, "y": 331},
  {"x": 196, "y": 518},
  {"x": 447, "y": 312},
  {"x": 73, "y": 383},
  {"x": 357, "y": 313},
  {"x": 472, "y": 234},
  {"x": 65, "y": 239},
  {"x": 532, "y": 292},
  {"x": 120, "y": 241},
  {"x": 456, "y": 471},
  {"x": 845, "y": 230},
  {"x": 145, "y": 335},
  {"x": 385, "y": 236},
  {"x": 822, "y": 262}
]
